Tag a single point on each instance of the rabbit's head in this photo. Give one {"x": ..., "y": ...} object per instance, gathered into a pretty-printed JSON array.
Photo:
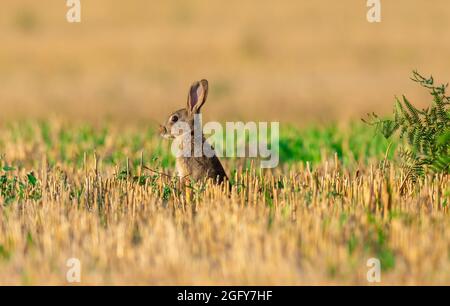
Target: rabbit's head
[{"x": 185, "y": 117}]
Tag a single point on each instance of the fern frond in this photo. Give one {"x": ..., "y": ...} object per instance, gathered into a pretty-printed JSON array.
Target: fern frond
[
  {"x": 425, "y": 133},
  {"x": 414, "y": 113}
]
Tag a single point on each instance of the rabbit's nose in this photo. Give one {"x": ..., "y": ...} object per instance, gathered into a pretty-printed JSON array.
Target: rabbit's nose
[{"x": 162, "y": 130}]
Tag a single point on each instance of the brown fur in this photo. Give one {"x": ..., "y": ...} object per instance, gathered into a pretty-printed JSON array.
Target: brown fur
[{"x": 195, "y": 168}]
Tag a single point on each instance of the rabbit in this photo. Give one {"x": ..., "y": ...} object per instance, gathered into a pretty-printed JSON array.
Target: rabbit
[{"x": 195, "y": 168}]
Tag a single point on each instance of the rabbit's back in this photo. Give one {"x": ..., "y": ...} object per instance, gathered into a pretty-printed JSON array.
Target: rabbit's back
[{"x": 199, "y": 168}]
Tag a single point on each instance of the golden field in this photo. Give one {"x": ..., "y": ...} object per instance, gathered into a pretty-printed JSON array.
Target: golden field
[
  {"x": 219, "y": 240},
  {"x": 79, "y": 108},
  {"x": 90, "y": 195},
  {"x": 296, "y": 61}
]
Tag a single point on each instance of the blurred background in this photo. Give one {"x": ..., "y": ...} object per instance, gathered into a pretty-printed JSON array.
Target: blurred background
[{"x": 291, "y": 60}]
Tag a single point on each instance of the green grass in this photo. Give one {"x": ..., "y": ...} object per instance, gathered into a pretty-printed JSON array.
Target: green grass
[{"x": 355, "y": 143}]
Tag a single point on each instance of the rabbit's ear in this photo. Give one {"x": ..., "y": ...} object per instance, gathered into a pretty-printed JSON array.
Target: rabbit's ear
[{"x": 197, "y": 96}]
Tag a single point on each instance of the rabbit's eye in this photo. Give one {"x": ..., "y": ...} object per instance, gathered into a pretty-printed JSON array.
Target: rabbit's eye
[{"x": 174, "y": 119}]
